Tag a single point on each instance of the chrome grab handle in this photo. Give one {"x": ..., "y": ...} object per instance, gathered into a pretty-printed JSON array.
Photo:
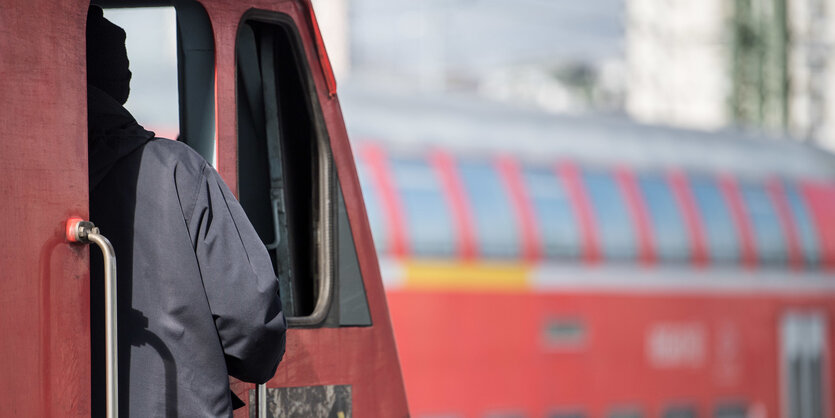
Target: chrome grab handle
[{"x": 85, "y": 232}]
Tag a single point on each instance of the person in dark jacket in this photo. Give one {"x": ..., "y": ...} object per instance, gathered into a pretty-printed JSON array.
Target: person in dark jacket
[{"x": 197, "y": 296}]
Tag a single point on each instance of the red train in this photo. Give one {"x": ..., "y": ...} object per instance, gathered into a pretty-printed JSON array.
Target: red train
[
  {"x": 554, "y": 266},
  {"x": 237, "y": 62}
]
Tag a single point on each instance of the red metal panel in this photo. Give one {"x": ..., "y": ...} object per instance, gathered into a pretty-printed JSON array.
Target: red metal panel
[
  {"x": 459, "y": 205},
  {"x": 777, "y": 194},
  {"x": 639, "y": 214},
  {"x": 730, "y": 191},
  {"x": 44, "y": 290},
  {"x": 511, "y": 175},
  {"x": 687, "y": 205},
  {"x": 570, "y": 175}
]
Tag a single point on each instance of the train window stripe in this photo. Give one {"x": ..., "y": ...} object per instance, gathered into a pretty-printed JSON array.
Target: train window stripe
[
  {"x": 497, "y": 232},
  {"x": 581, "y": 204},
  {"x": 459, "y": 204},
  {"x": 618, "y": 237},
  {"x": 693, "y": 222},
  {"x": 429, "y": 221},
  {"x": 821, "y": 198},
  {"x": 777, "y": 194},
  {"x": 557, "y": 225},
  {"x": 730, "y": 191},
  {"x": 762, "y": 215},
  {"x": 664, "y": 212},
  {"x": 806, "y": 230},
  {"x": 510, "y": 172},
  {"x": 644, "y": 234},
  {"x": 375, "y": 157}
]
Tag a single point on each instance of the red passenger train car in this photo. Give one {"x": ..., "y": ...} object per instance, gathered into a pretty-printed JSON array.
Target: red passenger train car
[
  {"x": 252, "y": 75},
  {"x": 554, "y": 266}
]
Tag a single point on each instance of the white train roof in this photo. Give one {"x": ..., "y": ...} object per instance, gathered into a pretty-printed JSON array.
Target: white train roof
[{"x": 467, "y": 126}]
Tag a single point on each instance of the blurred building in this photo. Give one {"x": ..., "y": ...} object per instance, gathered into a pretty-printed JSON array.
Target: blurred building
[{"x": 712, "y": 63}]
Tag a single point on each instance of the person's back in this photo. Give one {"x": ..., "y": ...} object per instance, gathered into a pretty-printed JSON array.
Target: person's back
[{"x": 197, "y": 295}]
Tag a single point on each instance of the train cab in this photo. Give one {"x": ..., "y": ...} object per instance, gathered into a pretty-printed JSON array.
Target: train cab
[{"x": 257, "y": 99}]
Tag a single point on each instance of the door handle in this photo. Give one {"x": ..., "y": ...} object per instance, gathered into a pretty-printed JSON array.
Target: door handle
[{"x": 84, "y": 232}]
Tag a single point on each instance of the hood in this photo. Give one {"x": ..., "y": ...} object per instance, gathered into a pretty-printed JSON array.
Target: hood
[{"x": 113, "y": 134}]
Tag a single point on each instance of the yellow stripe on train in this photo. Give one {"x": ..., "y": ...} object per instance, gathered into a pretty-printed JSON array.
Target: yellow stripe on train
[{"x": 441, "y": 275}]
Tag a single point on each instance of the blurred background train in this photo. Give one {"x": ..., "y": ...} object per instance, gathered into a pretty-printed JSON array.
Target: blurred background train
[{"x": 595, "y": 267}]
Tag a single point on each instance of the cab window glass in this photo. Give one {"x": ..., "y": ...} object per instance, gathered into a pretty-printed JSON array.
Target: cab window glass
[
  {"x": 766, "y": 225},
  {"x": 614, "y": 225},
  {"x": 427, "y": 215},
  {"x": 672, "y": 242},
  {"x": 719, "y": 227},
  {"x": 559, "y": 229},
  {"x": 496, "y": 229}
]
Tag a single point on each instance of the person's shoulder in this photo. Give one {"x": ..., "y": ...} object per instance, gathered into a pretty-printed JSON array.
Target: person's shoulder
[{"x": 174, "y": 154}]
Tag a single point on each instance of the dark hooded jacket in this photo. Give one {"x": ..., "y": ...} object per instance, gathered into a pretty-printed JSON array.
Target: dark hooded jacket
[{"x": 197, "y": 296}]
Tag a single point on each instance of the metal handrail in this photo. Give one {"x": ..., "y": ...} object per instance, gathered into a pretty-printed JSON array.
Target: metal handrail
[{"x": 85, "y": 232}]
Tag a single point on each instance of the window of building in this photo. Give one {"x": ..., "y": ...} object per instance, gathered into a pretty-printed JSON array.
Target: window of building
[
  {"x": 719, "y": 227},
  {"x": 672, "y": 242},
  {"x": 495, "y": 222},
  {"x": 428, "y": 219},
  {"x": 766, "y": 225},
  {"x": 615, "y": 228},
  {"x": 558, "y": 227}
]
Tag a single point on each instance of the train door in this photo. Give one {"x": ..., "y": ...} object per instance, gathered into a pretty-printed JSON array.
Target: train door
[
  {"x": 274, "y": 131},
  {"x": 803, "y": 363},
  {"x": 44, "y": 293}
]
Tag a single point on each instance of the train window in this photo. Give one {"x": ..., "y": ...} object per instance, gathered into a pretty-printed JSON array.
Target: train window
[
  {"x": 614, "y": 225},
  {"x": 730, "y": 410},
  {"x": 430, "y": 227},
  {"x": 803, "y": 343},
  {"x": 372, "y": 208},
  {"x": 496, "y": 225},
  {"x": 768, "y": 233},
  {"x": 803, "y": 224},
  {"x": 679, "y": 411},
  {"x": 672, "y": 242},
  {"x": 625, "y": 412},
  {"x": 566, "y": 414},
  {"x": 555, "y": 217},
  {"x": 286, "y": 180},
  {"x": 719, "y": 227},
  {"x": 171, "y": 54}
]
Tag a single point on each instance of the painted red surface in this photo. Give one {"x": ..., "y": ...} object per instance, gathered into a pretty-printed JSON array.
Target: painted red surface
[
  {"x": 44, "y": 288},
  {"x": 460, "y": 358},
  {"x": 459, "y": 205}
]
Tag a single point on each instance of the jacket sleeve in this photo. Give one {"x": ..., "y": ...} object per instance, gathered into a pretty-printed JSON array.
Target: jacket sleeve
[{"x": 239, "y": 280}]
